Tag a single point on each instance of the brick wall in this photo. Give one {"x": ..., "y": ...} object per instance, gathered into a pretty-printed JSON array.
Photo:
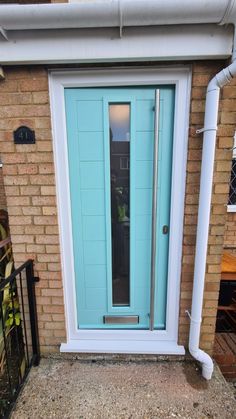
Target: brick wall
[
  {"x": 3, "y": 202},
  {"x": 30, "y": 190},
  {"x": 230, "y": 233}
]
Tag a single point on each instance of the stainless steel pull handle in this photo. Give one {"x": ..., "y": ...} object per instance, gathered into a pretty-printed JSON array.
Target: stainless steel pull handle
[{"x": 154, "y": 210}]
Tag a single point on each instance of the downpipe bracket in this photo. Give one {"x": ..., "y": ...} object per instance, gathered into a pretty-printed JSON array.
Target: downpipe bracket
[
  {"x": 199, "y": 131},
  {"x": 192, "y": 319}
]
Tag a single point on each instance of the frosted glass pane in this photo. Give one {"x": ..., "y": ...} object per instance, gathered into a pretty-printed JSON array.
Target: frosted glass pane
[{"x": 119, "y": 117}]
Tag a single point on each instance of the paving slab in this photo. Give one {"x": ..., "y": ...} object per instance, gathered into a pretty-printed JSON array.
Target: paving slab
[{"x": 75, "y": 389}]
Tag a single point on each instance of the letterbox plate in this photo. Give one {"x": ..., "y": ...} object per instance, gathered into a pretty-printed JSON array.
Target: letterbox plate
[{"x": 121, "y": 319}]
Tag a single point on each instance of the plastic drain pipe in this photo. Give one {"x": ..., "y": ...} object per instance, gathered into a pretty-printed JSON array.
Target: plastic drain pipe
[{"x": 207, "y": 169}]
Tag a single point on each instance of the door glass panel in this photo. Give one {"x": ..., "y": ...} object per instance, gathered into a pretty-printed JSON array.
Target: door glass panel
[{"x": 119, "y": 125}]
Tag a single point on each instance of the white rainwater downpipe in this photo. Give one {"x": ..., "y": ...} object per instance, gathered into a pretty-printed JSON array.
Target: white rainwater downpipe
[{"x": 207, "y": 169}]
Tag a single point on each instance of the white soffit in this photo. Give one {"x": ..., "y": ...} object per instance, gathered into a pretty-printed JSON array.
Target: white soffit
[{"x": 176, "y": 42}]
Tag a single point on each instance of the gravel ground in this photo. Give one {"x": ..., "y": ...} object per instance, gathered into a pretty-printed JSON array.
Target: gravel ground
[{"x": 75, "y": 389}]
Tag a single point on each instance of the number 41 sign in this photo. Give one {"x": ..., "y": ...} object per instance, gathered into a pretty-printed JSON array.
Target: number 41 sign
[{"x": 24, "y": 135}]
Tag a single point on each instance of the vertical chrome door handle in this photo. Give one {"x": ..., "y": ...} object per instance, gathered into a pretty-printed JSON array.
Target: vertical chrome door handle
[{"x": 154, "y": 209}]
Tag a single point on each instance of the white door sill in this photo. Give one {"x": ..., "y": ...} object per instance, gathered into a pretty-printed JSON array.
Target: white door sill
[{"x": 117, "y": 346}]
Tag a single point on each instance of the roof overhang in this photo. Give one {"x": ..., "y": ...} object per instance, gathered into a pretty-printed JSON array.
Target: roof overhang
[{"x": 117, "y": 30}]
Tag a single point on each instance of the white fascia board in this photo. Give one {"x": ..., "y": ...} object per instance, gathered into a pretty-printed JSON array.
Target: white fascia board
[{"x": 182, "y": 42}]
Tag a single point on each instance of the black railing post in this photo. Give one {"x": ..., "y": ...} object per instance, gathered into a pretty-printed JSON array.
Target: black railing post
[{"x": 33, "y": 312}]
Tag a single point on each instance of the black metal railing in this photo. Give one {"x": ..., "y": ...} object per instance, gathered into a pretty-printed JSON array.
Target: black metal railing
[{"x": 19, "y": 343}]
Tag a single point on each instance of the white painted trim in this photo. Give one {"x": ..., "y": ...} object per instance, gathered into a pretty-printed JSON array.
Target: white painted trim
[
  {"x": 231, "y": 208},
  {"x": 160, "y": 43},
  {"x": 129, "y": 341},
  {"x": 117, "y": 346}
]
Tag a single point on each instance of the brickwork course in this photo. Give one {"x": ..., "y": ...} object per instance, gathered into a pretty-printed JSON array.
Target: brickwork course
[
  {"x": 3, "y": 201},
  {"x": 31, "y": 195},
  {"x": 230, "y": 233}
]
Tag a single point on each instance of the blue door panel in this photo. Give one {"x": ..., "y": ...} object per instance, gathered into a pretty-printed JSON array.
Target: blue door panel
[
  {"x": 94, "y": 252},
  {"x": 95, "y": 276},
  {"x": 147, "y": 138},
  {"x": 92, "y": 175},
  {"x": 143, "y": 263},
  {"x": 89, "y": 114},
  {"x": 145, "y": 114},
  {"x": 164, "y": 199},
  {"x": 143, "y": 228},
  {"x": 91, "y": 146},
  {"x": 94, "y": 227},
  {"x": 142, "y": 296},
  {"x": 143, "y": 174},
  {"x": 143, "y": 201},
  {"x": 92, "y": 202},
  {"x": 95, "y": 299},
  {"x": 88, "y": 154}
]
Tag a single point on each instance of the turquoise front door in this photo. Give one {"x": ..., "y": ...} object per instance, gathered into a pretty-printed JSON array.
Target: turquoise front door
[{"x": 110, "y": 135}]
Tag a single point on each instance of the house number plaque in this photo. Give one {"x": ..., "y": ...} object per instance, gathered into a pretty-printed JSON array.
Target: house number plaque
[{"x": 24, "y": 135}]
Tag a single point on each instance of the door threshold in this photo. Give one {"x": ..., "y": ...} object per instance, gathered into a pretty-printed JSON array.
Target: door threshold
[{"x": 122, "y": 347}]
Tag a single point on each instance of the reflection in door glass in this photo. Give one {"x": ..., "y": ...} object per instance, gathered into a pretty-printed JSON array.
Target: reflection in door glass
[{"x": 119, "y": 124}]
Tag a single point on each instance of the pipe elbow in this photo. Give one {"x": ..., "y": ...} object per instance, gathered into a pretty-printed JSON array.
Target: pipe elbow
[
  {"x": 205, "y": 360},
  {"x": 232, "y": 69},
  {"x": 222, "y": 78}
]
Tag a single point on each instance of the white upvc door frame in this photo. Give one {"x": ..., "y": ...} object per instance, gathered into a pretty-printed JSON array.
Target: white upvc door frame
[{"x": 122, "y": 341}]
